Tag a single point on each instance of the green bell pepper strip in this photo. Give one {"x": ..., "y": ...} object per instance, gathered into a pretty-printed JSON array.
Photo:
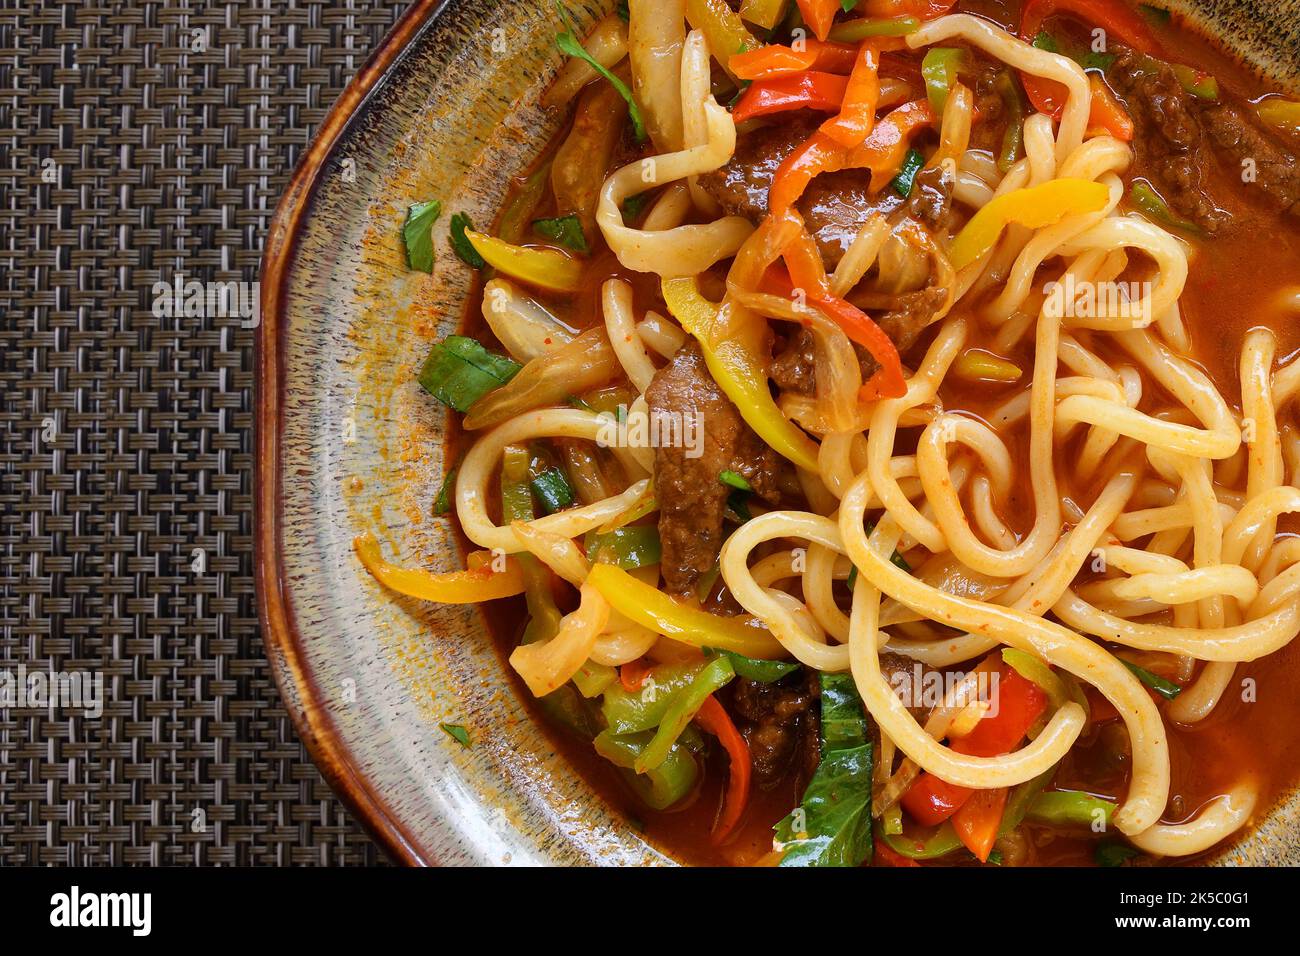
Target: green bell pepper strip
[
  {"x": 517, "y": 505},
  {"x": 681, "y": 709},
  {"x": 519, "y": 211},
  {"x": 939, "y": 71},
  {"x": 940, "y": 843},
  {"x": 1016, "y": 108},
  {"x": 629, "y": 547},
  {"x": 854, "y": 31},
  {"x": 764, "y": 672},
  {"x": 1152, "y": 205},
  {"x": 1069, "y": 807},
  {"x": 628, "y": 711},
  {"x": 1020, "y": 799},
  {"x": 661, "y": 787},
  {"x": 593, "y": 679}
]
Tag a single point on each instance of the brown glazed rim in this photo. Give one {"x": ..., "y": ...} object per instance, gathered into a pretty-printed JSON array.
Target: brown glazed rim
[{"x": 279, "y": 629}]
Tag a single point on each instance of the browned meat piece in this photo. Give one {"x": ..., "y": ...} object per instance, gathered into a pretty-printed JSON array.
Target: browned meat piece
[
  {"x": 835, "y": 206},
  {"x": 907, "y": 314},
  {"x": 1171, "y": 146},
  {"x": 1277, "y": 174},
  {"x": 795, "y": 368},
  {"x": 692, "y": 500},
  {"x": 779, "y": 722},
  {"x": 931, "y": 198},
  {"x": 901, "y": 673}
]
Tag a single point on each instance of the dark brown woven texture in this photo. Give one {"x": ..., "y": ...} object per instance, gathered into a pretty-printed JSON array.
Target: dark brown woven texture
[{"x": 138, "y": 139}]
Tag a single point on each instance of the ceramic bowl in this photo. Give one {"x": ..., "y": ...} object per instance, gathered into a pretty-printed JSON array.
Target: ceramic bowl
[{"x": 347, "y": 442}]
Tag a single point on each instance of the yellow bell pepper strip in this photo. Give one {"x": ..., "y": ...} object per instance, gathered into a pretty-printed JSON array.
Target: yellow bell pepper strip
[
  {"x": 546, "y": 268},
  {"x": 653, "y": 609},
  {"x": 1033, "y": 206},
  {"x": 763, "y": 13},
  {"x": 735, "y": 359},
  {"x": 1283, "y": 114},
  {"x": 977, "y": 365},
  {"x": 723, "y": 29},
  {"x": 474, "y": 586}
]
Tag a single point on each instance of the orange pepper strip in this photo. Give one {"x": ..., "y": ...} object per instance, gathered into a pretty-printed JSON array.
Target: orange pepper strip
[
  {"x": 1106, "y": 113},
  {"x": 819, "y": 15},
  {"x": 632, "y": 674},
  {"x": 977, "y": 821},
  {"x": 770, "y": 61},
  {"x": 713, "y": 718},
  {"x": 857, "y": 115},
  {"x": 881, "y": 152}
]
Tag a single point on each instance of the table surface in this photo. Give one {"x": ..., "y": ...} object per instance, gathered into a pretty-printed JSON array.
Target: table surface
[{"x": 141, "y": 141}]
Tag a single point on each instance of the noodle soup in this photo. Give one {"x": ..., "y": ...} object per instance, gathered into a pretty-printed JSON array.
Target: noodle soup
[{"x": 876, "y": 438}]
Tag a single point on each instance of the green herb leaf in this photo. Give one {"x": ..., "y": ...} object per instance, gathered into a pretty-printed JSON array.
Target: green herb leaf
[
  {"x": 764, "y": 672},
  {"x": 553, "y": 490},
  {"x": 417, "y": 236},
  {"x": 568, "y": 44},
  {"x": 1154, "y": 14},
  {"x": 633, "y": 205},
  {"x": 735, "y": 480},
  {"x": 460, "y": 371},
  {"x": 906, "y": 177},
  {"x": 1110, "y": 853},
  {"x": 459, "y": 733},
  {"x": 836, "y": 807},
  {"x": 460, "y": 243},
  {"x": 442, "y": 501},
  {"x": 848, "y": 5},
  {"x": 738, "y": 504},
  {"x": 566, "y": 230},
  {"x": 1045, "y": 41},
  {"x": 1165, "y": 688}
]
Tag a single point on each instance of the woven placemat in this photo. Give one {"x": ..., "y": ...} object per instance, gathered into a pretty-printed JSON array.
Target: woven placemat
[{"x": 140, "y": 141}]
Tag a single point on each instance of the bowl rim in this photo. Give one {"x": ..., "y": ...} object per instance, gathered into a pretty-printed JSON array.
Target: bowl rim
[{"x": 299, "y": 690}]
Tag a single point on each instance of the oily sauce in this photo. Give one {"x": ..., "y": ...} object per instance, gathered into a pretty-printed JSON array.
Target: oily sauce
[{"x": 1234, "y": 285}]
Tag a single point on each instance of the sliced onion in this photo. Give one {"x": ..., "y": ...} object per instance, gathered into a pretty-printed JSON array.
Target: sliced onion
[
  {"x": 584, "y": 363},
  {"x": 520, "y": 323}
]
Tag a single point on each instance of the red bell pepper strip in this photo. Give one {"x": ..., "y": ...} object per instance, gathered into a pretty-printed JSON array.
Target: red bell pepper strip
[
  {"x": 1115, "y": 18},
  {"x": 819, "y": 15},
  {"x": 807, "y": 90},
  {"x": 713, "y": 718},
  {"x": 921, "y": 9},
  {"x": 857, "y": 115},
  {"x": 930, "y": 801},
  {"x": 1020, "y": 702},
  {"x": 888, "y": 856},
  {"x": 977, "y": 821}
]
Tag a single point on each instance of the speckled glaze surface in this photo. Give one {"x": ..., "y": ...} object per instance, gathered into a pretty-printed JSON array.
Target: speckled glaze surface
[{"x": 348, "y": 443}]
